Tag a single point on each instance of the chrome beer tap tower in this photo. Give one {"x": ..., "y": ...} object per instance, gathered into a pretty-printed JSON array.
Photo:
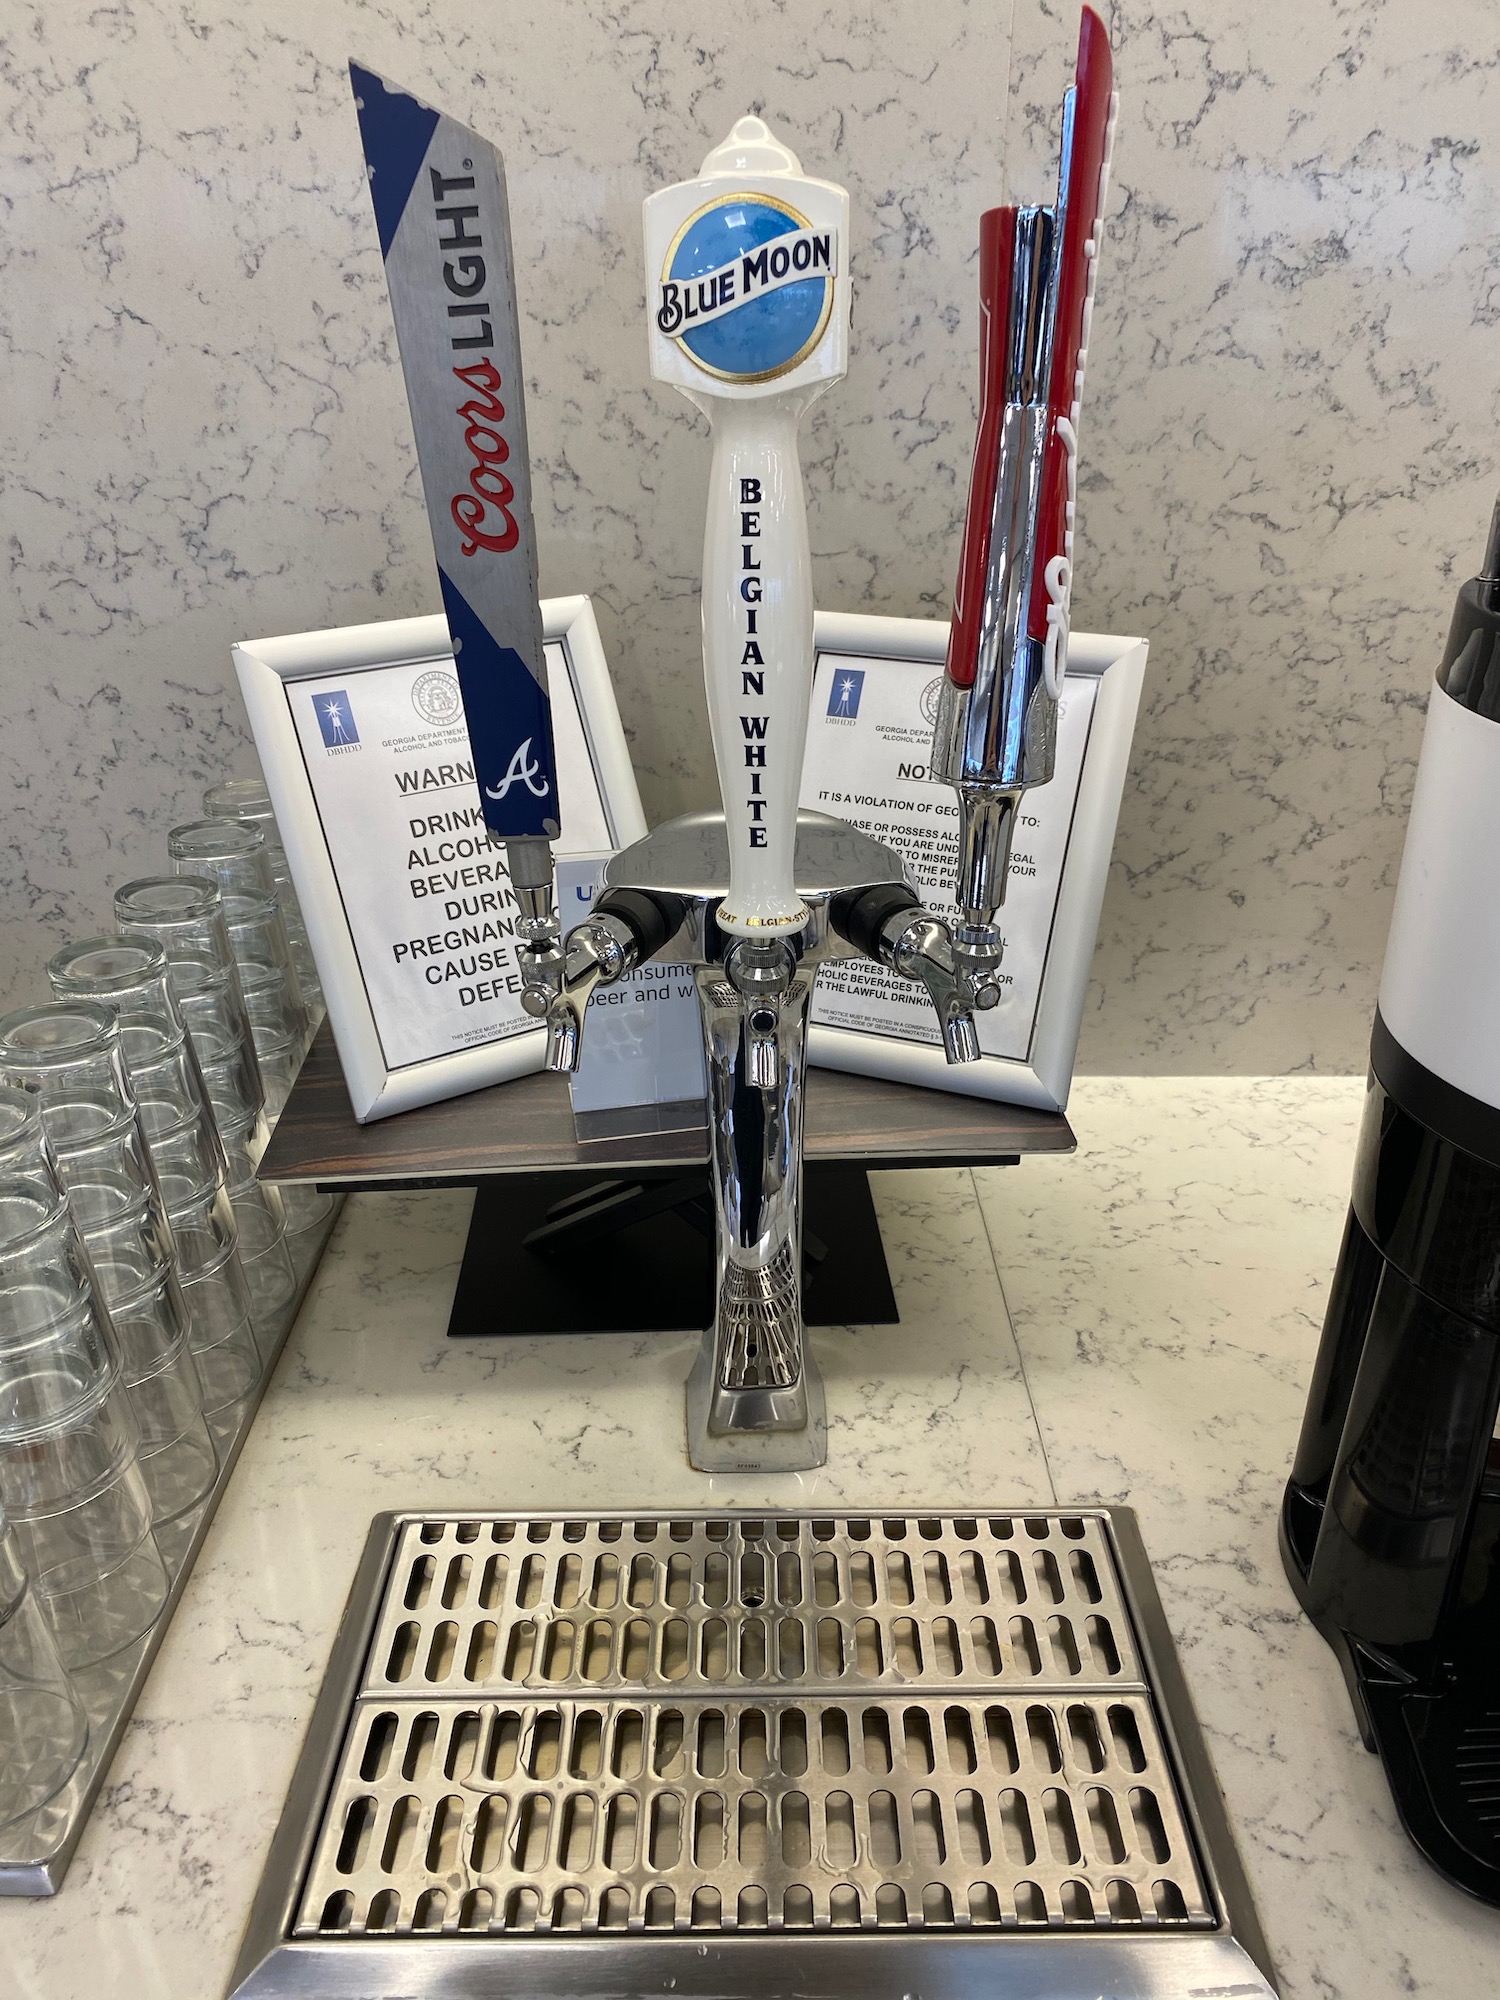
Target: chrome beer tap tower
[{"x": 747, "y": 278}]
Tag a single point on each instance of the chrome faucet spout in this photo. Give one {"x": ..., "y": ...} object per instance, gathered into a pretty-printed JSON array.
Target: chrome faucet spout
[
  {"x": 560, "y": 982},
  {"x": 624, "y": 929},
  {"x": 539, "y": 931},
  {"x": 761, "y": 973},
  {"x": 958, "y": 975},
  {"x": 959, "y": 968}
]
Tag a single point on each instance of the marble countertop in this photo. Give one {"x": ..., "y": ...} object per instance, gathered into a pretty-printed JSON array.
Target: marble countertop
[{"x": 1165, "y": 1288}]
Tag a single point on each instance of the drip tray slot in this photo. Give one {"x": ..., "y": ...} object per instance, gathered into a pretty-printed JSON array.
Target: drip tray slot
[{"x": 568, "y": 1752}]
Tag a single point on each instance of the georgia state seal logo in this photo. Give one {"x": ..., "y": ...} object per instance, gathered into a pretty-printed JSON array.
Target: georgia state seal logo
[
  {"x": 747, "y": 290},
  {"x": 436, "y": 698}
]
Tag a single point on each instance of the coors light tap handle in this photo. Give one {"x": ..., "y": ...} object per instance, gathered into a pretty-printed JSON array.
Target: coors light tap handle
[
  {"x": 440, "y": 208},
  {"x": 996, "y": 726},
  {"x": 749, "y": 318}
]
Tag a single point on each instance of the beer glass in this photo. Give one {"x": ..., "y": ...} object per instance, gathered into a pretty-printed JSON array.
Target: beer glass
[
  {"x": 43, "y": 1729},
  {"x": 70, "y": 1479}
]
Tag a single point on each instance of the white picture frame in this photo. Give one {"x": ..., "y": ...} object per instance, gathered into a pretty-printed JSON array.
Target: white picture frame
[
  {"x": 1115, "y": 667},
  {"x": 268, "y": 671}
]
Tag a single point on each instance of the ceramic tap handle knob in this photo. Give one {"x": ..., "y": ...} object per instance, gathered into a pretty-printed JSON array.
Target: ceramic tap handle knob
[{"x": 748, "y": 297}]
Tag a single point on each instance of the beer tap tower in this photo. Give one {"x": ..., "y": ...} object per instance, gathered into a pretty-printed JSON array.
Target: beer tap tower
[{"x": 747, "y": 278}]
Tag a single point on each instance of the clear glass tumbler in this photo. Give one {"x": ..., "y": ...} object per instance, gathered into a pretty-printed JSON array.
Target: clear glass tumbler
[
  {"x": 178, "y": 1457},
  {"x": 43, "y": 1728},
  {"x": 278, "y": 1022},
  {"x": 139, "y": 1289},
  {"x": 265, "y": 1248},
  {"x": 233, "y": 853},
  {"x": 219, "y": 1029},
  {"x": 70, "y": 1481},
  {"x": 273, "y": 1002},
  {"x": 218, "y": 1296},
  {"x": 49, "y": 1273},
  {"x": 69, "y": 1476},
  {"x": 185, "y": 916},
  {"x": 70, "y": 1053},
  {"x": 248, "y": 799},
  {"x": 128, "y": 974}
]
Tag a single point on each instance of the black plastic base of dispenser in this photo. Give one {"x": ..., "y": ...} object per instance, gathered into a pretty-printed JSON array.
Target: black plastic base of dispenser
[
  {"x": 541, "y": 1245},
  {"x": 1433, "y": 1721}
]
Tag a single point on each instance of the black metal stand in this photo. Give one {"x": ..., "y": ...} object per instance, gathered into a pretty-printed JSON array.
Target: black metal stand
[
  {"x": 571, "y": 1253},
  {"x": 555, "y": 1247}
]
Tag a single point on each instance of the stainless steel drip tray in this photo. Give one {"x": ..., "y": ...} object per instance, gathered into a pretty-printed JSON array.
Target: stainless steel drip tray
[{"x": 736, "y": 1754}]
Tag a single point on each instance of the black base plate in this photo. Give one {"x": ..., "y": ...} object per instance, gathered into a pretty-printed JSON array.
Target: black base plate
[
  {"x": 630, "y": 1263},
  {"x": 1433, "y": 1719}
]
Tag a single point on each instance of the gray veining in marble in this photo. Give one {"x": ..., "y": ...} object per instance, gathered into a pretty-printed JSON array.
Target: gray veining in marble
[
  {"x": 1290, "y": 455},
  {"x": 1289, "y": 446}
]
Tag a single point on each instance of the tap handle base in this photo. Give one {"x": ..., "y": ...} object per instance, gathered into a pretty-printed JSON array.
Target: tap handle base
[
  {"x": 861, "y": 918},
  {"x": 890, "y": 925},
  {"x": 653, "y": 919}
]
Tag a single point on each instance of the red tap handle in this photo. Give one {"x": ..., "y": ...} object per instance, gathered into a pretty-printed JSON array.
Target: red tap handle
[
  {"x": 1082, "y": 194},
  {"x": 997, "y": 239}
]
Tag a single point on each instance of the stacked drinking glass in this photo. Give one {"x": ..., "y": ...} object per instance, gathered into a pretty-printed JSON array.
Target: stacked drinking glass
[
  {"x": 70, "y": 1054},
  {"x": 43, "y": 1728},
  {"x": 186, "y": 918},
  {"x": 247, "y": 799},
  {"x": 145, "y": 1271},
  {"x": 232, "y": 853},
  {"x": 70, "y": 1480},
  {"x": 128, "y": 974},
  {"x": 183, "y": 917}
]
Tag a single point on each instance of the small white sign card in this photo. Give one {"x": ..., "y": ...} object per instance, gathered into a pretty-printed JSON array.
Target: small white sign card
[
  {"x": 874, "y": 700},
  {"x": 409, "y": 908},
  {"x": 641, "y": 1067}
]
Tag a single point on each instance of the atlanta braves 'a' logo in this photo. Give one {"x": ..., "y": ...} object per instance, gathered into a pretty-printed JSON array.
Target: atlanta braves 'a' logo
[{"x": 520, "y": 772}]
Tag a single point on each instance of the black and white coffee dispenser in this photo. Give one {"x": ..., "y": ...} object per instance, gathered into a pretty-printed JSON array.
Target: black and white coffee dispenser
[{"x": 1390, "y": 1527}]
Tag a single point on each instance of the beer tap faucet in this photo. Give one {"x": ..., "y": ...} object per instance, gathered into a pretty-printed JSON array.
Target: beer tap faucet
[
  {"x": 921, "y": 947},
  {"x": 558, "y": 981},
  {"x": 760, "y": 971},
  {"x": 996, "y": 730},
  {"x": 747, "y": 277},
  {"x": 435, "y": 185}
]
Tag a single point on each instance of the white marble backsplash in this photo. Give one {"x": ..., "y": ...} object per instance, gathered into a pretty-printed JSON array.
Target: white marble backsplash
[{"x": 1289, "y": 449}]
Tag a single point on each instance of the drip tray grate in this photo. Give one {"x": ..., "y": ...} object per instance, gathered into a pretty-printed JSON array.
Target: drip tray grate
[
  {"x": 741, "y": 1816},
  {"x": 735, "y": 1733}
]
